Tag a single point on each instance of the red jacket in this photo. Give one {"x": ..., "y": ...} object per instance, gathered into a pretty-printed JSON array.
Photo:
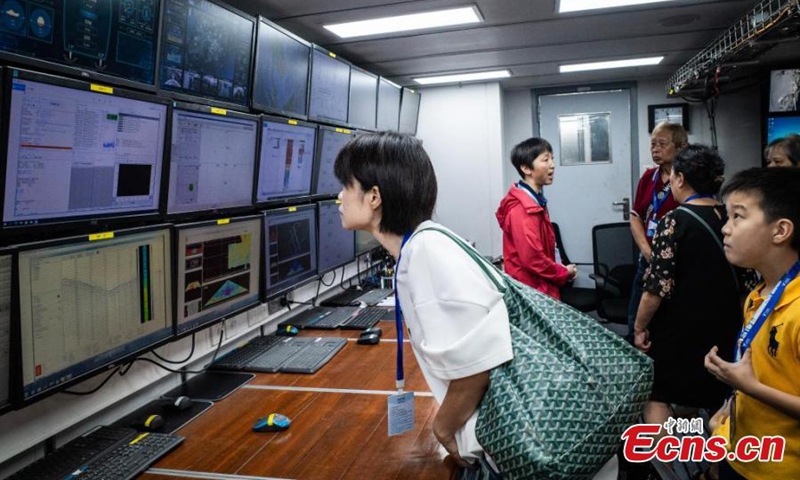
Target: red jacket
[{"x": 529, "y": 243}]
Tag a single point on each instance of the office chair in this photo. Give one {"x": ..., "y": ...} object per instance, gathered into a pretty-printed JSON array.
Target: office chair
[
  {"x": 614, "y": 268},
  {"x": 582, "y": 299}
]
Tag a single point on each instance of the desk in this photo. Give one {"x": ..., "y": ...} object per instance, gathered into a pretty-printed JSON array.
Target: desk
[{"x": 339, "y": 424}]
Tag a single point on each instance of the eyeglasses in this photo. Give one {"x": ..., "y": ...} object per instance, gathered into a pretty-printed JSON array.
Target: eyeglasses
[{"x": 661, "y": 144}]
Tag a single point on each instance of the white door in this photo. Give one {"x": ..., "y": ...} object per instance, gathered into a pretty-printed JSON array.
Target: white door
[{"x": 591, "y": 137}]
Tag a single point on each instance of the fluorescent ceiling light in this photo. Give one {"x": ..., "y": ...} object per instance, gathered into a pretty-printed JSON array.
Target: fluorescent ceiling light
[
  {"x": 403, "y": 23},
  {"x": 565, "y": 6},
  {"x": 463, "y": 77},
  {"x": 633, "y": 62}
]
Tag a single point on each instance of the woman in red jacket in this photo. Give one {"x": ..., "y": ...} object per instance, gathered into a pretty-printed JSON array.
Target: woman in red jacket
[{"x": 529, "y": 244}]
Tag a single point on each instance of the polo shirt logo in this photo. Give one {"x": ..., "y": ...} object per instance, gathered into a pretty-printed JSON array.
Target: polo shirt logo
[{"x": 772, "y": 349}]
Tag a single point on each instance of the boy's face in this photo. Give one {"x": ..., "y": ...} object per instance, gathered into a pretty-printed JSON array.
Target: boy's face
[
  {"x": 543, "y": 168},
  {"x": 747, "y": 232}
]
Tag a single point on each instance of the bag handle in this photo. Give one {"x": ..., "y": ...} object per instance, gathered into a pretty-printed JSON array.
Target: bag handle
[{"x": 716, "y": 239}]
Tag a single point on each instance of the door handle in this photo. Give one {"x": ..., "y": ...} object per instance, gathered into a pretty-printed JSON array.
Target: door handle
[{"x": 626, "y": 207}]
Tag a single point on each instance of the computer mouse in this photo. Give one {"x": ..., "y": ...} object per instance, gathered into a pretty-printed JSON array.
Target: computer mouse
[
  {"x": 370, "y": 339},
  {"x": 153, "y": 423},
  {"x": 287, "y": 331},
  {"x": 181, "y": 403},
  {"x": 376, "y": 330},
  {"x": 274, "y": 422}
]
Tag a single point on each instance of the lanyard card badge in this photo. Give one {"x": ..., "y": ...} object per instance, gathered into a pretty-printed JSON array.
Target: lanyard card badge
[{"x": 401, "y": 404}]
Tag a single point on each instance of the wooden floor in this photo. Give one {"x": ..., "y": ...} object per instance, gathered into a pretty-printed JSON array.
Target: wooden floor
[{"x": 339, "y": 424}]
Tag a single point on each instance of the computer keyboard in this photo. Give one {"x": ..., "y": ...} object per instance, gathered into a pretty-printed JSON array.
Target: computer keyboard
[
  {"x": 107, "y": 453},
  {"x": 373, "y": 297},
  {"x": 274, "y": 358},
  {"x": 345, "y": 298},
  {"x": 243, "y": 355},
  {"x": 320, "y": 318},
  {"x": 366, "y": 318},
  {"x": 314, "y": 356}
]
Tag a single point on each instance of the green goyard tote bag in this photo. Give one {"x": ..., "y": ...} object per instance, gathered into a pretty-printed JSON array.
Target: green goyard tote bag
[{"x": 558, "y": 409}]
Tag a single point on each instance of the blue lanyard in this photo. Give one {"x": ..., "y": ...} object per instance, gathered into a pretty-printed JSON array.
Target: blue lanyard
[
  {"x": 537, "y": 197},
  {"x": 750, "y": 330},
  {"x": 663, "y": 194},
  {"x": 398, "y": 318},
  {"x": 698, "y": 195}
]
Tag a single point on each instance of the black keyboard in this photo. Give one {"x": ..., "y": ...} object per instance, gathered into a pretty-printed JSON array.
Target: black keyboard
[
  {"x": 320, "y": 318},
  {"x": 346, "y": 298},
  {"x": 366, "y": 318},
  {"x": 373, "y": 297},
  {"x": 245, "y": 354},
  {"x": 106, "y": 449},
  {"x": 274, "y": 358},
  {"x": 314, "y": 356}
]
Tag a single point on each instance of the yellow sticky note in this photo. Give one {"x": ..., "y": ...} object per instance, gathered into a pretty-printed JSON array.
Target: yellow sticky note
[
  {"x": 292, "y": 209},
  {"x": 101, "y": 89},
  {"x": 101, "y": 236},
  {"x": 223, "y": 221},
  {"x": 219, "y": 111}
]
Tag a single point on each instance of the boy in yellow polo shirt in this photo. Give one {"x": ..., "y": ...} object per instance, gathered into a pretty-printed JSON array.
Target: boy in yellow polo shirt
[{"x": 764, "y": 215}]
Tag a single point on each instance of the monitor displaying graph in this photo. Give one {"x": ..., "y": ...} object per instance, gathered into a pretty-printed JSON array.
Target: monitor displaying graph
[
  {"x": 287, "y": 159},
  {"x": 291, "y": 248}
]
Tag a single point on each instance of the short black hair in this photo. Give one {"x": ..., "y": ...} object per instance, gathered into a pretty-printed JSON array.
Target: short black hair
[
  {"x": 790, "y": 144},
  {"x": 526, "y": 152},
  {"x": 702, "y": 168},
  {"x": 778, "y": 193},
  {"x": 397, "y": 164}
]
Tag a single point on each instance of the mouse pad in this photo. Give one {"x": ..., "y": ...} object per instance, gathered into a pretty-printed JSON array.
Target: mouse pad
[{"x": 173, "y": 419}]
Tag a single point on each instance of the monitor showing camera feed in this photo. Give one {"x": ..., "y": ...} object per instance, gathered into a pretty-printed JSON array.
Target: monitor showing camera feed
[
  {"x": 330, "y": 88},
  {"x": 291, "y": 248},
  {"x": 780, "y": 127},
  {"x": 336, "y": 245},
  {"x": 363, "y": 99},
  {"x": 74, "y": 153},
  {"x": 206, "y": 51},
  {"x": 217, "y": 270},
  {"x": 784, "y": 91},
  {"x": 281, "y": 72},
  {"x": 212, "y": 163},
  {"x": 331, "y": 140},
  {"x": 85, "y": 305},
  {"x": 388, "y": 105},
  {"x": 365, "y": 242},
  {"x": 409, "y": 111},
  {"x": 118, "y": 39},
  {"x": 287, "y": 159},
  {"x": 5, "y": 330}
]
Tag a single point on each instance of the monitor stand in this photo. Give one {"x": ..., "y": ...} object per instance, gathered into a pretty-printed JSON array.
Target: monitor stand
[{"x": 209, "y": 385}]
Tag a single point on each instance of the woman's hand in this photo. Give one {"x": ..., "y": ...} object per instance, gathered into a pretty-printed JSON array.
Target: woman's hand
[
  {"x": 641, "y": 339},
  {"x": 739, "y": 375},
  {"x": 719, "y": 418}
]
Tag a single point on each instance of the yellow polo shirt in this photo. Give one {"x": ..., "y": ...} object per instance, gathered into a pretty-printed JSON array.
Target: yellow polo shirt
[{"x": 775, "y": 352}]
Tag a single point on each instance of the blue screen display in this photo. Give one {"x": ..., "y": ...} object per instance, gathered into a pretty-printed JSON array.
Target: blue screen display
[{"x": 779, "y": 127}]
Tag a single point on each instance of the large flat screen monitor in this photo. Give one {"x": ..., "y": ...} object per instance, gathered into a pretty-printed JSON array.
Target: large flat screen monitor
[
  {"x": 283, "y": 62},
  {"x": 331, "y": 140},
  {"x": 212, "y": 161},
  {"x": 409, "y": 111},
  {"x": 388, "y": 105},
  {"x": 365, "y": 242},
  {"x": 108, "y": 40},
  {"x": 287, "y": 159},
  {"x": 290, "y": 236},
  {"x": 206, "y": 51},
  {"x": 76, "y": 151},
  {"x": 782, "y": 126},
  {"x": 784, "y": 91},
  {"x": 5, "y": 331},
  {"x": 336, "y": 245},
  {"x": 218, "y": 265},
  {"x": 363, "y": 99},
  {"x": 87, "y": 304},
  {"x": 330, "y": 87}
]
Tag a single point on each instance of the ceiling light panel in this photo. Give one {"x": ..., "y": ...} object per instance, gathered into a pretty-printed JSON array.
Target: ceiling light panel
[{"x": 405, "y": 23}]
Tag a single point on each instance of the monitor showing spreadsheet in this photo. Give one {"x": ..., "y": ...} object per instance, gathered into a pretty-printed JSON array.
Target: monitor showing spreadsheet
[
  {"x": 330, "y": 88},
  {"x": 363, "y": 99},
  {"x": 331, "y": 140}
]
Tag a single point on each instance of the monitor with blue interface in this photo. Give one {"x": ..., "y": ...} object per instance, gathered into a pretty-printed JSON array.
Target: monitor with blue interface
[
  {"x": 89, "y": 303},
  {"x": 206, "y": 50},
  {"x": 409, "y": 111},
  {"x": 281, "y": 72},
  {"x": 212, "y": 161},
  {"x": 218, "y": 267},
  {"x": 291, "y": 248},
  {"x": 779, "y": 127},
  {"x": 331, "y": 140},
  {"x": 74, "y": 153},
  {"x": 336, "y": 245},
  {"x": 388, "y": 105},
  {"x": 287, "y": 159},
  {"x": 5, "y": 331},
  {"x": 363, "y": 99},
  {"x": 114, "y": 39},
  {"x": 330, "y": 88},
  {"x": 365, "y": 242}
]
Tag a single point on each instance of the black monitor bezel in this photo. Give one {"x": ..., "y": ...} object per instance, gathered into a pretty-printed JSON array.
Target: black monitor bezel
[
  {"x": 176, "y": 228},
  {"x": 197, "y": 214},
  {"x": 402, "y": 102},
  {"x": 196, "y": 98},
  {"x": 326, "y": 120},
  {"x": 285, "y": 290},
  {"x": 83, "y": 222},
  {"x": 14, "y": 368},
  {"x": 374, "y": 126},
  {"x": 87, "y": 74},
  {"x": 320, "y": 271},
  {"x": 274, "y": 111},
  {"x": 16, "y": 321},
  {"x": 291, "y": 199},
  {"x": 318, "y": 164},
  {"x": 399, "y": 103}
]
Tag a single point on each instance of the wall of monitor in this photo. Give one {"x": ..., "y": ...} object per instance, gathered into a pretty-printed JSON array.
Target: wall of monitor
[{"x": 167, "y": 164}]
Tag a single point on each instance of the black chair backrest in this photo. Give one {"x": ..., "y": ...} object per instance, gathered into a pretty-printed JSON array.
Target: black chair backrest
[{"x": 615, "y": 254}]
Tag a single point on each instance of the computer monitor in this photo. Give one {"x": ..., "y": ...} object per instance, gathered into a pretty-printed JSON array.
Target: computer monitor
[
  {"x": 77, "y": 151},
  {"x": 388, "y": 105},
  {"x": 283, "y": 63},
  {"x": 286, "y": 161},
  {"x": 213, "y": 160},
  {"x": 365, "y": 242},
  {"x": 108, "y": 41},
  {"x": 206, "y": 51},
  {"x": 336, "y": 245},
  {"x": 87, "y": 304},
  {"x": 782, "y": 126},
  {"x": 5, "y": 330},
  {"x": 290, "y": 238},
  {"x": 330, "y": 87},
  {"x": 218, "y": 264},
  {"x": 784, "y": 90},
  {"x": 363, "y": 99},
  {"x": 409, "y": 111},
  {"x": 331, "y": 140}
]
